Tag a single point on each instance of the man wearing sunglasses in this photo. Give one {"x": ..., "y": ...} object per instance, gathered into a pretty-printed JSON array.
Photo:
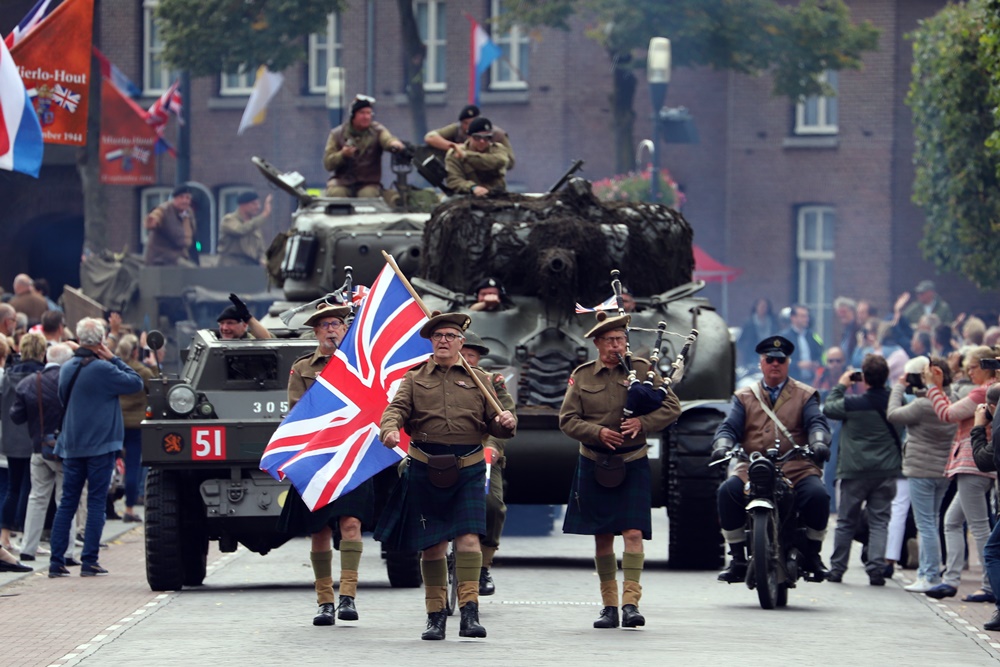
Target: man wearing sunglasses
[
  {"x": 439, "y": 497},
  {"x": 796, "y": 405},
  {"x": 347, "y": 514},
  {"x": 354, "y": 153},
  {"x": 480, "y": 165}
]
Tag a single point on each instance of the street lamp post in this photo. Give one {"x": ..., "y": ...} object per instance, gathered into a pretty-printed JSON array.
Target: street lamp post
[{"x": 658, "y": 75}]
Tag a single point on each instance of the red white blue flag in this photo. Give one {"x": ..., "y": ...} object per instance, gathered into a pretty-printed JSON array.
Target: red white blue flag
[
  {"x": 21, "y": 142},
  {"x": 28, "y": 23},
  {"x": 482, "y": 53},
  {"x": 328, "y": 444},
  {"x": 611, "y": 303}
]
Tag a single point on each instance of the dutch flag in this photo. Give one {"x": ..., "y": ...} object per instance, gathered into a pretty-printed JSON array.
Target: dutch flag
[
  {"x": 21, "y": 142},
  {"x": 482, "y": 52}
]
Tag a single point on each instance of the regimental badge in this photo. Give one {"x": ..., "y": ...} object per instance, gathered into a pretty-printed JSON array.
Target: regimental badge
[
  {"x": 461, "y": 383},
  {"x": 173, "y": 443},
  {"x": 570, "y": 382},
  {"x": 777, "y": 343}
]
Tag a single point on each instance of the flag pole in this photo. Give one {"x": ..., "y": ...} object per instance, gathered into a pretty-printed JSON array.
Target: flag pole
[{"x": 465, "y": 364}]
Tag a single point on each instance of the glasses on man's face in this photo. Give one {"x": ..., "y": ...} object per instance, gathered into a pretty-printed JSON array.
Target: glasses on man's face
[
  {"x": 330, "y": 324},
  {"x": 614, "y": 339},
  {"x": 776, "y": 360},
  {"x": 437, "y": 336}
]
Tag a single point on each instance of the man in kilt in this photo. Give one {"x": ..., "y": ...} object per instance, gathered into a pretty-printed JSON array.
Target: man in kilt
[
  {"x": 496, "y": 511},
  {"x": 611, "y": 493},
  {"x": 439, "y": 497},
  {"x": 348, "y": 513}
]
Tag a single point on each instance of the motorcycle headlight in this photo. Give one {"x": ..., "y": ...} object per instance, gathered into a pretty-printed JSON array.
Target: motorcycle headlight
[{"x": 181, "y": 399}]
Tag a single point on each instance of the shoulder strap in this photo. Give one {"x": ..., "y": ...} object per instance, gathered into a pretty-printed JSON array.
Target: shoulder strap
[
  {"x": 41, "y": 415},
  {"x": 892, "y": 429},
  {"x": 755, "y": 388},
  {"x": 72, "y": 382}
]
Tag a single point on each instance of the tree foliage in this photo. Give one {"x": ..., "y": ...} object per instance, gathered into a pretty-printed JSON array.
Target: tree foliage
[
  {"x": 989, "y": 55},
  {"x": 207, "y": 37},
  {"x": 956, "y": 177},
  {"x": 794, "y": 43}
]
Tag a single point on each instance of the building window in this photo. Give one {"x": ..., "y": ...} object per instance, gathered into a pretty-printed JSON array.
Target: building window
[
  {"x": 324, "y": 53},
  {"x": 238, "y": 83},
  {"x": 815, "y": 255},
  {"x": 510, "y": 71},
  {"x": 431, "y": 24},
  {"x": 156, "y": 76},
  {"x": 818, "y": 114},
  {"x": 149, "y": 198}
]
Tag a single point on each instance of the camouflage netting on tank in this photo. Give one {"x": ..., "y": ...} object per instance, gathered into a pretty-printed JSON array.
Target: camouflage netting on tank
[{"x": 560, "y": 247}]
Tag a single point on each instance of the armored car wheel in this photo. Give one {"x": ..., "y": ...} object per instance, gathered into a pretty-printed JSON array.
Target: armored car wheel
[
  {"x": 193, "y": 538},
  {"x": 164, "y": 563},
  {"x": 403, "y": 569}
]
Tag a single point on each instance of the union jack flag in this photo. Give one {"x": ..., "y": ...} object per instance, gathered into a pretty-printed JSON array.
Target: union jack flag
[
  {"x": 360, "y": 292},
  {"x": 65, "y": 98},
  {"x": 611, "y": 303},
  {"x": 170, "y": 102},
  {"x": 328, "y": 444},
  {"x": 28, "y": 23}
]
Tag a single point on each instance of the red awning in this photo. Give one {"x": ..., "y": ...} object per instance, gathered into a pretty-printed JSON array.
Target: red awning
[{"x": 710, "y": 270}]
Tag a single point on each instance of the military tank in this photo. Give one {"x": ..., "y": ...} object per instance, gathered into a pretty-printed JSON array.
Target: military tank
[{"x": 549, "y": 252}]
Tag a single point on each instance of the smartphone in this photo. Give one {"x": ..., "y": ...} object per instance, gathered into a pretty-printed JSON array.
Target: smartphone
[{"x": 856, "y": 376}]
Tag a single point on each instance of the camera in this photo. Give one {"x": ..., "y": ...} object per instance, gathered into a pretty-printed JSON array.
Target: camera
[
  {"x": 989, "y": 364},
  {"x": 914, "y": 381},
  {"x": 856, "y": 376}
]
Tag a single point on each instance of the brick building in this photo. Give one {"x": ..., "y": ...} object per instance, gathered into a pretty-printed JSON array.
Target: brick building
[{"x": 810, "y": 202}]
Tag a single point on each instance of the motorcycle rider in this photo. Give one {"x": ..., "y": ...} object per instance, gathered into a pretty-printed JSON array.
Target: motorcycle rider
[{"x": 796, "y": 406}]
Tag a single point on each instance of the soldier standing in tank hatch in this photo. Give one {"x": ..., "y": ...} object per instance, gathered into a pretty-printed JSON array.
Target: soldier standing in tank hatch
[
  {"x": 480, "y": 165},
  {"x": 348, "y": 513},
  {"x": 611, "y": 493},
  {"x": 496, "y": 511},
  {"x": 439, "y": 497},
  {"x": 454, "y": 135},
  {"x": 354, "y": 153}
]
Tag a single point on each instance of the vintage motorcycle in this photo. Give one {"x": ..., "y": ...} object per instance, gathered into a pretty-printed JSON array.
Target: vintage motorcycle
[{"x": 775, "y": 534}]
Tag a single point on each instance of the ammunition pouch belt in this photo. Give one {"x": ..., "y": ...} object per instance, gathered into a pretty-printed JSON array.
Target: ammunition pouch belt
[{"x": 442, "y": 469}]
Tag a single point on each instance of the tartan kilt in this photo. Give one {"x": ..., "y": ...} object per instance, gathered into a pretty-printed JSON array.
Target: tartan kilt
[
  {"x": 418, "y": 515},
  {"x": 298, "y": 520},
  {"x": 596, "y": 510}
]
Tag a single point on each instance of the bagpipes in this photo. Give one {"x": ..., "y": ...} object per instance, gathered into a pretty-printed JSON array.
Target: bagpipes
[
  {"x": 345, "y": 294},
  {"x": 643, "y": 397}
]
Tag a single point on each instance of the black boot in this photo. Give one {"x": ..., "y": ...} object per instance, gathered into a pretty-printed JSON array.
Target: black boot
[
  {"x": 812, "y": 562},
  {"x": 486, "y": 586},
  {"x": 435, "y": 625},
  {"x": 470, "y": 621},
  {"x": 325, "y": 615},
  {"x": 608, "y": 618},
  {"x": 346, "y": 611},
  {"x": 994, "y": 623},
  {"x": 631, "y": 618},
  {"x": 737, "y": 570}
]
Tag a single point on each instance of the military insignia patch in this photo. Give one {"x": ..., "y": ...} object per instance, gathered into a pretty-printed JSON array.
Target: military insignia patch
[{"x": 570, "y": 382}]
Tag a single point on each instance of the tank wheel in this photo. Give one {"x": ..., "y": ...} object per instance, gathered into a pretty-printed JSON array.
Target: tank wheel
[
  {"x": 164, "y": 565},
  {"x": 403, "y": 569}
]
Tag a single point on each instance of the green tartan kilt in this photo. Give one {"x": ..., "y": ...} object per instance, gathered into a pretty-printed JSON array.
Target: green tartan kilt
[
  {"x": 419, "y": 515},
  {"x": 596, "y": 510},
  {"x": 298, "y": 520}
]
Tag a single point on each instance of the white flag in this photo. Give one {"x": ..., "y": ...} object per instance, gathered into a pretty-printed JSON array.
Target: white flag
[{"x": 264, "y": 88}]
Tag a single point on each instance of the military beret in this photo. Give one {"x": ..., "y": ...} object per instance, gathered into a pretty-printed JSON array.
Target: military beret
[
  {"x": 775, "y": 346},
  {"x": 470, "y": 111},
  {"x": 475, "y": 342},
  {"x": 487, "y": 282},
  {"x": 324, "y": 310},
  {"x": 230, "y": 313},
  {"x": 480, "y": 125},
  {"x": 609, "y": 324},
  {"x": 247, "y": 197},
  {"x": 460, "y": 321},
  {"x": 180, "y": 190}
]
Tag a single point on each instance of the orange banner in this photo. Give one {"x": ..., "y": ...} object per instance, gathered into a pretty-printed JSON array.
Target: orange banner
[
  {"x": 54, "y": 62},
  {"x": 127, "y": 141}
]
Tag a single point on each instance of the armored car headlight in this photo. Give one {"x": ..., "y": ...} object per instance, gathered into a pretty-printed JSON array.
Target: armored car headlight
[{"x": 182, "y": 399}]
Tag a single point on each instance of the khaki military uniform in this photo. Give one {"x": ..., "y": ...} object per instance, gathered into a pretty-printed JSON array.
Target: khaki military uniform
[
  {"x": 241, "y": 242},
  {"x": 455, "y": 134},
  {"x": 171, "y": 234},
  {"x": 361, "y": 175},
  {"x": 304, "y": 372},
  {"x": 487, "y": 169}
]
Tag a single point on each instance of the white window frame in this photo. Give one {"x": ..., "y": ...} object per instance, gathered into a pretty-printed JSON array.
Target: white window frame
[
  {"x": 235, "y": 85},
  {"x": 150, "y": 198},
  {"x": 827, "y": 111},
  {"x": 152, "y": 54},
  {"x": 513, "y": 40},
  {"x": 821, "y": 257},
  {"x": 436, "y": 44},
  {"x": 325, "y": 50}
]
